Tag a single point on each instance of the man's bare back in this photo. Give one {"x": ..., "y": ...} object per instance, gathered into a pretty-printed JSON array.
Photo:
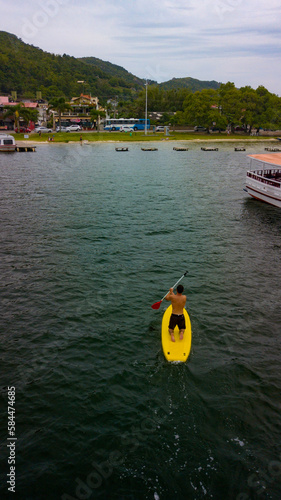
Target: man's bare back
[{"x": 178, "y": 302}]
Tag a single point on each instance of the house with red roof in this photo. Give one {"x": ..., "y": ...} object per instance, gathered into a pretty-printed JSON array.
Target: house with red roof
[
  {"x": 80, "y": 111},
  {"x": 8, "y": 123}
]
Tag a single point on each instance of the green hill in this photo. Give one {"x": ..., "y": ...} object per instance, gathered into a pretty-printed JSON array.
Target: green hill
[
  {"x": 113, "y": 70},
  {"x": 28, "y": 69},
  {"x": 189, "y": 83}
]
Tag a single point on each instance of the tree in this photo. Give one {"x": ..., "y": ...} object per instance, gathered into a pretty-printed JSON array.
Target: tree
[
  {"x": 96, "y": 114},
  {"x": 29, "y": 115},
  {"x": 268, "y": 109},
  {"x": 230, "y": 103},
  {"x": 249, "y": 100},
  {"x": 178, "y": 118},
  {"x": 14, "y": 112},
  {"x": 60, "y": 105},
  {"x": 198, "y": 108},
  {"x": 218, "y": 120}
]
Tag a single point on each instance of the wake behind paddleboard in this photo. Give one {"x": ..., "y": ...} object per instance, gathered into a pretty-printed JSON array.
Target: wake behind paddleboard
[{"x": 180, "y": 349}]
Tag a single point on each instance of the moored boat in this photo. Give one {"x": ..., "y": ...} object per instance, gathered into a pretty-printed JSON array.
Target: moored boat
[
  {"x": 7, "y": 143},
  {"x": 149, "y": 149},
  {"x": 209, "y": 149},
  {"x": 263, "y": 181}
]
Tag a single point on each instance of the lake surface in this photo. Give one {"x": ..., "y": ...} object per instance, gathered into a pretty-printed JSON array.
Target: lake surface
[{"x": 90, "y": 239}]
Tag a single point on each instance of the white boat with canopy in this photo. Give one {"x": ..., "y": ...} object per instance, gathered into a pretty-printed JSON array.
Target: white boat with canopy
[
  {"x": 263, "y": 180},
  {"x": 7, "y": 143}
]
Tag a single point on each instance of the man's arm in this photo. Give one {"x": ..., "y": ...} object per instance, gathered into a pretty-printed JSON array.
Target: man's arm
[{"x": 170, "y": 294}]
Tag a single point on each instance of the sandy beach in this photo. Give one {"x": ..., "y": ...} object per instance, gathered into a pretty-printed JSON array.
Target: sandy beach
[{"x": 27, "y": 142}]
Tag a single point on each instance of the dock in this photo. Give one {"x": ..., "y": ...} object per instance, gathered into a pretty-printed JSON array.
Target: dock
[
  {"x": 25, "y": 149},
  {"x": 210, "y": 149}
]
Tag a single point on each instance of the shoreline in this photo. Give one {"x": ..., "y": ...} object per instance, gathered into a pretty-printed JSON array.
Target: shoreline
[{"x": 252, "y": 140}]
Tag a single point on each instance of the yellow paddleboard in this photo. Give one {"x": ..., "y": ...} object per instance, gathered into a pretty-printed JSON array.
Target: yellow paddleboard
[{"x": 180, "y": 349}]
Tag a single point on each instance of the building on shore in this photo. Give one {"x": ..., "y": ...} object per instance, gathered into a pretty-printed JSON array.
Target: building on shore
[
  {"x": 8, "y": 122},
  {"x": 80, "y": 112}
]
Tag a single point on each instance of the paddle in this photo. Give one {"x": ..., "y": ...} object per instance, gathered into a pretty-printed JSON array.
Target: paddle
[{"x": 158, "y": 304}]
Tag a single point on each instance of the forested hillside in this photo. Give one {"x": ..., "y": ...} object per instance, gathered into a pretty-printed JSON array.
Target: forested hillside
[
  {"x": 28, "y": 69},
  {"x": 191, "y": 84},
  {"x": 113, "y": 70}
]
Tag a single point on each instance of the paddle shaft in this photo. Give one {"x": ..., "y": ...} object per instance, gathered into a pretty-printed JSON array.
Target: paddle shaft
[{"x": 175, "y": 285}]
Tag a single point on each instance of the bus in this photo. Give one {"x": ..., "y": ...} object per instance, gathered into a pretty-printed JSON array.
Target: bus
[{"x": 116, "y": 123}]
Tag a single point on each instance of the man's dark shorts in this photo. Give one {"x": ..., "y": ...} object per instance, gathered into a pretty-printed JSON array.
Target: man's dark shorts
[{"x": 177, "y": 319}]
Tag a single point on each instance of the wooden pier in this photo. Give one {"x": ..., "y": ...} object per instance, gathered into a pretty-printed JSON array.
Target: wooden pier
[
  {"x": 210, "y": 149},
  {"x": 149, "y": 149},
  {"x": 25, "y": 149}
]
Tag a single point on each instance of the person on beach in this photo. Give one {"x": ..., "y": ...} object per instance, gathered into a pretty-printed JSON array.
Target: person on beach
[{"x": 177, "y": 317}]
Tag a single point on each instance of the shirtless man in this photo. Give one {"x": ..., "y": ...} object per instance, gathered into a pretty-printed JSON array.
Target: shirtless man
[{"x": 177, "y": 317}]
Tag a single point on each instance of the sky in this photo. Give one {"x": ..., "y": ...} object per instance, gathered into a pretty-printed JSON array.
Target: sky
[{"x": 223, "y": 40}]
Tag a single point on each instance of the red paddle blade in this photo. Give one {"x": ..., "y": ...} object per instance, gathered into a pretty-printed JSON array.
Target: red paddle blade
[{"x": 156, "y": 305}]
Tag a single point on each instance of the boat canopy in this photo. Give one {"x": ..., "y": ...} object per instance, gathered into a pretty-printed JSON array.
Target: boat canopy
[
  {"x": 272, "y": 159},
  {"x": 7, "y": 139}
]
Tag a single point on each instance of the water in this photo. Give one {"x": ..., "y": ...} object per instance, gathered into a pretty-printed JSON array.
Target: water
[{"x": 90, "y": 239}]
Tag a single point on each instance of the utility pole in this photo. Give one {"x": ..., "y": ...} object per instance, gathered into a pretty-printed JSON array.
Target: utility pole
[
  {"x": 115, "y": 106},
  {"x": 145, "y": 126}
]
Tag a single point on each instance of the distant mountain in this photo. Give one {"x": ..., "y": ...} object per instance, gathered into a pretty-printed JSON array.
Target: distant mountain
[
  {"x": 28, "y": 69},
  {"x": 189, "y": 83}
]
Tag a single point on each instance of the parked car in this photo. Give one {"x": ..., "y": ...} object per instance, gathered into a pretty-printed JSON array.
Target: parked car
[
  {"x": 61, "y": 129},
  {"x": 43, "y": 130},
  {"x": 126, "y": 128},
  {"x": 73, "y": 128},
  {"x": 160, "y": 128},
  {"x": 217, "y": 129},
  {"x": 198, "y": 128},
  {"x": 23, "y": 130}
]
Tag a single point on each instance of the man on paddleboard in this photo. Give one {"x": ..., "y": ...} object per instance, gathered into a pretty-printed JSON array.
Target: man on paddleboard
[{"x": 177, "y": 317}]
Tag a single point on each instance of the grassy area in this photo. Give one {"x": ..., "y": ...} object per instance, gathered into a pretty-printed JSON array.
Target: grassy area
[{"x": 65, "y": 137}]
